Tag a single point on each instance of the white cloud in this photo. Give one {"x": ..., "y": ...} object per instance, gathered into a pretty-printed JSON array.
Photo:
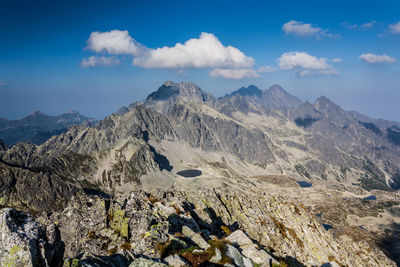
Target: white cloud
[
  {"x": 302, "y": 29},
  {"x": 374, "y": 59},
  {"x": 206, "y": 51},
  {"x": 234, "y": 73},
  {"x": 114, "y": 42},
  {"x": 305, "y": 64},
  {"x": 203, "y": 52},
  {"x": 266, "y": 69},
  {"x": 2, "y": 83},
  {"x": 395, "y": 28},
  {"x": 293, "y": 60},
  {"x": 94, "y": 61},
  {"x": 366, "y": 25},
  {"x": 337, "y": 60}
]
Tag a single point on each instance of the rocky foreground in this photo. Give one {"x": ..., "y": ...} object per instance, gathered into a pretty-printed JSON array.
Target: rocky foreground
[{"x": 210, "y": 227}]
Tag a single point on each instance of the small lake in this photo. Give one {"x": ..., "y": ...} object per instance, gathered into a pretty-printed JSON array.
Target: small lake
[
  {"x": 304, "y": 184},
  {"x": 327, "y": 226},
  {"x": 371, "y": 197},
  {"x": 190, "y": 173}
]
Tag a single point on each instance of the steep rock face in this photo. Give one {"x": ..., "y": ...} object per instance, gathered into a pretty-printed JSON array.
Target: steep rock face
[
  {"x": 236, "y": 103},
  {"x": 171, "y": 93},
  {"x": 217, "y": 134},
  {"x": 33, "y": 190},
  {"x": 375, "y": 154}
]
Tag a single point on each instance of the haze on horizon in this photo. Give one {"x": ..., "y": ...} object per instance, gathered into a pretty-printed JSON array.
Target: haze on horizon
[{"x": 96, "y": 56}]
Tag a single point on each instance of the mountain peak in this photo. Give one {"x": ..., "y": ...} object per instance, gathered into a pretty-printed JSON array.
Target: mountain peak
[
  {"x": 71, "y": 111},
  {"x": 36, "y": 113},
  {"x": 247, "y": 91},
  {"x": 323, "y": 101},
  {"x": 277, "y": 97},
  {"x": 186, "y": 90},
  {"x": 276, "y": 88}
]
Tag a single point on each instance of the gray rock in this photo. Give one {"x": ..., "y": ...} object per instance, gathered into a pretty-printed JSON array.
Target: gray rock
[
  {"x": 91, "y": 260},
  {"x": 257, "y": 255},
  {"x": 141, "y": 262},
  {"x": 217, "y": 257},
  {"x": 240, "y": 238},
  {"x": 175, "y": 261},
  {"x": 235, "y": 255},
  {"x": 196, "y": 238},
  {"x": 23, "y": 241}
]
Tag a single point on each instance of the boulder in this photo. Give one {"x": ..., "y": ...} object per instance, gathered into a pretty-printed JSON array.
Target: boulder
[
  {"x": 175, "y": 261},
  {"x": 240, "y": 238},
  {"x": 237, "y": 257},
  {"x": 257, "y": 255},
  {"x": 195, "y": 237}
]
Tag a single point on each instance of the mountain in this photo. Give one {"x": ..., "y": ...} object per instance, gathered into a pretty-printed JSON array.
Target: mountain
[
  {"x": 276, "y": 97},
  {"x": 250, "y": 90},
  {"x": 170, "y": 93},
  {"x": 37, "y": 127},
  {"x": 183, "y": 170}
]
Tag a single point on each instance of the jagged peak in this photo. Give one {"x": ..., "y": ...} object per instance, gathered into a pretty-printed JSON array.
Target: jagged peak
[
  {"x": 323, "y": 101},
  {"x": 250, "y": 90},
  {"x": 277, "y": 90},
  {"x": 36, "y": 113},
  {"x": 276, "y": 87},
  {"x": 183, "y": 89}
]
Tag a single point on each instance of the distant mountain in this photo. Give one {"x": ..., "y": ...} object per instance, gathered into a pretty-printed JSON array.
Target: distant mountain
[
  {"x": 276, "y": 98},
  {"x": 250, "y": 90},
  {"x": 37, "y": 127}
]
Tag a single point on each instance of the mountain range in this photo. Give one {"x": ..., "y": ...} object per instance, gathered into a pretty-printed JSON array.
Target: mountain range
[
  {"x": 37, "y": 127},
  {"x": 182, "y": 136}
]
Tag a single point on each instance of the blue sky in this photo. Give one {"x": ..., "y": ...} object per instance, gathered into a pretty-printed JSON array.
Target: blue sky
[{"x": 44, "y": 46}]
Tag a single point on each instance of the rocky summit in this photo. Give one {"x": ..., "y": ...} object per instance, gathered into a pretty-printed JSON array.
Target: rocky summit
[{"x": 182, "y": 178}]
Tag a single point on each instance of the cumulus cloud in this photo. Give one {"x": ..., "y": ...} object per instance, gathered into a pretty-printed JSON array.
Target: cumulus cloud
[
  {"x": 2, "y": 83},
  {"x": 336, "y": 60},
  {"x": 203, "y": 52},
  {"x": 375, "y": 59},
  {"x": 305, "y": 64},
  {"x": 234, "y": 73},
  {"x": 114, "y": 42},
  {"x": 366, "y": 25},
  {"x": 94, "y": 61},
  {"x": 206, "y": 51},
  {"x": 395, "y": 28},
  {"x": 302, "y": 29}
]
